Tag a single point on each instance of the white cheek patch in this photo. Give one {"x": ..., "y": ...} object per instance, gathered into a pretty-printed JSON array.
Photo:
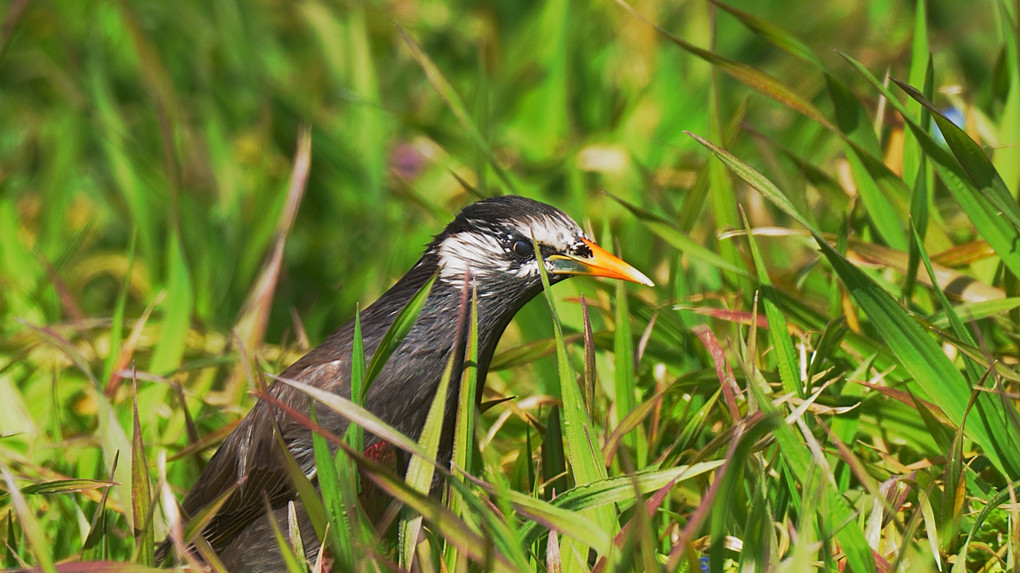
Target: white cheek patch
[
  {"x": 484, "y": 253},
  {"x": 463, "y": 251},
  {"x": 554, "y": 232}
]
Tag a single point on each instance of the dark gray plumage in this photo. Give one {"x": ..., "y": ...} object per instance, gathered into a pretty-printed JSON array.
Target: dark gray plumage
[{"x": 492, "y": 240}]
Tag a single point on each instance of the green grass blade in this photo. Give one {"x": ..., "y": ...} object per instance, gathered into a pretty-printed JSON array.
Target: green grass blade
[
  {"x": 1006, "y": 158},
  {"x": 582, "y": 451},
  {"x": 779, "y": 335},
  {"x": 774, "y": 34},
  {"x": 283, "y": 544},
  {"x": 614, "y": 490},
  {"x": 669, "y": 232},
  {"x": 623, "y": 350},
  {"x": 337, "y": 495},
  {"x": 920, "y": 63},
  {"x": 398, "y": 330}
]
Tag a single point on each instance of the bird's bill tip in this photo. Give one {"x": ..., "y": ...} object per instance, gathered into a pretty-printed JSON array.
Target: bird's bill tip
[{"x": 601, "y": 263}]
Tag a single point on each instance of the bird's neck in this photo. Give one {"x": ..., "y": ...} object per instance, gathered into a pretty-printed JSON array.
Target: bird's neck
[{"x": 446, "y": 314}]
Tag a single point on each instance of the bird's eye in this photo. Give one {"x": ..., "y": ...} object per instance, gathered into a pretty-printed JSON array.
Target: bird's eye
[{"x": 523, "y": 249}]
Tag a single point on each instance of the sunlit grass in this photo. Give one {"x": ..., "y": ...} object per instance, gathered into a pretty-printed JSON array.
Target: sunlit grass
[{"x": 192, "y": 194}]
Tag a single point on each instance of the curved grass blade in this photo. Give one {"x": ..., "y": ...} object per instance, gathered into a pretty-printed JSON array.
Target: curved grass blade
[
  {"x": 37, "y": 542},
  {"x": 995, "y": 217},
  {"x": 971, "y": 157},
  {"x": 754, "y": 78}
]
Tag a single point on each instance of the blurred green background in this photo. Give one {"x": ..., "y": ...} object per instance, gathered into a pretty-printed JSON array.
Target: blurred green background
[
  {"x": 146, "y": 149},
  {"x": 178, "y": 121}
]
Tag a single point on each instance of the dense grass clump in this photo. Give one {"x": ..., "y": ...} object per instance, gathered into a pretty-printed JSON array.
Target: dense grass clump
[{"x": 194, "y": 193}]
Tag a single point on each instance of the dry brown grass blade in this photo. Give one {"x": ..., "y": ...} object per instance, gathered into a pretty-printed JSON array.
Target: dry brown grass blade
[{"x": 251, "y": 326}]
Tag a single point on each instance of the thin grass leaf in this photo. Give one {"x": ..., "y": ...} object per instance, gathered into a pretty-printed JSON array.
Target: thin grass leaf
[
  {"x": 774, "y": 34},
  {"x": 669, "y": 232},
  {"x": 33, "y": 530},
  {"x": 464, "y": 445},
  {"x": 176, "y": 313},
  {"x": 603, "y": 492},
  {"x": 779, "y": 335},
  {"x": 251, "y": 325},
  {"x": 952, "y": 283},
  {"x": 117, "y": 324},
  {"x": 395, "y": 334},
  {"x": 451, "y": 528},
  {"x": 923, "y": 192},
  {"x": 971, "y": 157},
  {"x": 623, "y": 350},
  {"x": 920, "y": 74},
  {"x": 994, "y": 216},
  {"x": 463, "y": 440},
  {"x": 72, "y": 485},
  {"x": 554, "y": 458},
  {"x": 1006, "y": 158},
  {"x": 355, "y": 433},
  {"x": 306, "y": 492},
  {"x": 955, "y": 323}
]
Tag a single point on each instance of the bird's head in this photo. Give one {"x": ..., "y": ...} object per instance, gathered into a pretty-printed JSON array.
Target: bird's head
[{"x": 495, "y": 240}]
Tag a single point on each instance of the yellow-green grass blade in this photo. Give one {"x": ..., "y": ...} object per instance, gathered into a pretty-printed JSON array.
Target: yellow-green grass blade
[
  {"x": 293, "y": 562},
  {"x": 920, "y": 73}
]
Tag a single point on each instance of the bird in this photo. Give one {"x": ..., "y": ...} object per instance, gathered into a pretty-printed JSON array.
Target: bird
[{"x": 489, "y": 247}]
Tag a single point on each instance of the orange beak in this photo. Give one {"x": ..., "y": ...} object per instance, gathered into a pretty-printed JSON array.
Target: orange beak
[{"x": 601, "y": 263}]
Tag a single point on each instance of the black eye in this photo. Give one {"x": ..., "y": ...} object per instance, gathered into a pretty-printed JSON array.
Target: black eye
[{"x": 523, "y": 249}]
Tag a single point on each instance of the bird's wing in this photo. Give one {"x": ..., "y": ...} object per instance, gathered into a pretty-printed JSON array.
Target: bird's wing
[
  {"x": 251, "y": 461},
  {"x": 247, "y": 463}
]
